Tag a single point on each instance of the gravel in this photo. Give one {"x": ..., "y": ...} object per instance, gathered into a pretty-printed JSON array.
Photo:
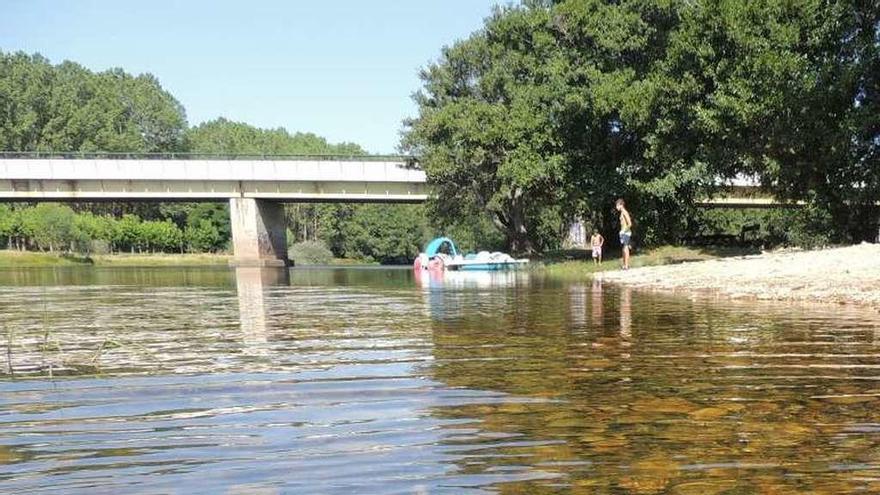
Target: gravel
[{"x": 847, "y": 275}]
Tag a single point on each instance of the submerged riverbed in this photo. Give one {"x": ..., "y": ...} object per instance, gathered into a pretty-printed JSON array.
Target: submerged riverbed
[{"x": 366, "y": 380}]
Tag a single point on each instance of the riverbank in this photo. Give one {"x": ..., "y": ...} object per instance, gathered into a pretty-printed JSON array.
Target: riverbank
[
  {"x": 847, "y": 275},
  {"x": 27, "y": 259},
  {"x": 30, "y": 259},
  {"x": 577, "y": 264}
]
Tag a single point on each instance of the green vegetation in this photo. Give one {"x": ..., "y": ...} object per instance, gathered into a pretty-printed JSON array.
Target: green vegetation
[
  {"x": 576, "y": 264},
  {"x": 10, "y": 258},
  {"x": 555, "y": 108},
  {"x": 69, "y": 108},
  {"x": 18, "y": 259},
  {"x": 311, "y": 253},
  {"x": 222, "y": 136},
  {"x": 162, "y": 259},
  {"x": 373, "y": 233},
  {"x": 808, "y": 227},
  {"x": 56, "y": 227},
  {"x": 545, "y": 115}
]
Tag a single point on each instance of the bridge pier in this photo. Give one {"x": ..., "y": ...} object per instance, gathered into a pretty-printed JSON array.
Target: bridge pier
[{"x": 259, "y": 233}]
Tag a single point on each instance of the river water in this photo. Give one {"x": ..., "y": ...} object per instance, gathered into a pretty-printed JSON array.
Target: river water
[{"x": 369, "y": 381}]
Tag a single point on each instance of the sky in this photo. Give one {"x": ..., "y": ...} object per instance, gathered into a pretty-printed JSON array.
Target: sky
[{"x": 344, "y": 70}]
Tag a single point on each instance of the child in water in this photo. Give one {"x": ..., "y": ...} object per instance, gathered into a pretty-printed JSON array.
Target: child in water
[{"x": 596, "y": 242}]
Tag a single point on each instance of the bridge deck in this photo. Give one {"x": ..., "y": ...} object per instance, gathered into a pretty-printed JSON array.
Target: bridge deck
[
  {"x": 305, "y": 179},
  {"x": 34, "y": 176}
]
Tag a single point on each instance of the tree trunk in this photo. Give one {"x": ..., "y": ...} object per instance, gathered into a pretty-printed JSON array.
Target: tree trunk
[
  {"x": 517, "y": 232},
  {"x": 518, "y": 239}
]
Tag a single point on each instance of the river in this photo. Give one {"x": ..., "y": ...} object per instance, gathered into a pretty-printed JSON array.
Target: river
[{"x": 366, "y": 380}]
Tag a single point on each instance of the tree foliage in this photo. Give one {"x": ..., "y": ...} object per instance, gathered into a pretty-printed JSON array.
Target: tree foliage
[
  {"x": 222, "y": 136},
  {"x": 57, "y": 227},
  {"x": 555, "y": 108},
  {"x": 69, "y": 108},
  {"x": 384, "y": 233}
]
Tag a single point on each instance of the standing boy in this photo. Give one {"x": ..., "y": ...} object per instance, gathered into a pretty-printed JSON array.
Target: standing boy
[
  {"x": 596, "y": 242},
  {"x": 625, "y": 231}
]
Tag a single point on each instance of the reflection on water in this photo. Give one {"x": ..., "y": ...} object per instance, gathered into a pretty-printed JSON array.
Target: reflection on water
[
  {"x": 371, "y": 381},
  {"x": 251, "y": 285}
]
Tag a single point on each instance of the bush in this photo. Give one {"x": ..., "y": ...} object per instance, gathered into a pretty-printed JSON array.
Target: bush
[
  {"x": 310, "y": 253},
  {"x": 203, "y": 237},
  {"x": 806, "y": 227},
  {"x": 99, "y": 246}
]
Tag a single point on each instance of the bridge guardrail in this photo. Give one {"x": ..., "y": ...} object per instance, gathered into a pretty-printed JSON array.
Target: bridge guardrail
[{"x": 98, "y": 155}]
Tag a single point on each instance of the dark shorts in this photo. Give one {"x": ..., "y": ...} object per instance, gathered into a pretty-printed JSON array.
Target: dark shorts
[{"x": 625, "y": 239}]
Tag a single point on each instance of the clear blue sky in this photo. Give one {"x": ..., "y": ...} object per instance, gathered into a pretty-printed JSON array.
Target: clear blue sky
[{"x": 344, "y": 70}]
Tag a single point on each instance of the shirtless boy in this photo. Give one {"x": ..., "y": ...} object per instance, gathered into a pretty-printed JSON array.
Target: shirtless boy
[
  {"x": 596, "y": 242},
  {"x": 625, "y": 231}
]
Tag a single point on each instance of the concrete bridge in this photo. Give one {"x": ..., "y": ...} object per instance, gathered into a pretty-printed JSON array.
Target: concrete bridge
[{"x": 255, "y": 187}]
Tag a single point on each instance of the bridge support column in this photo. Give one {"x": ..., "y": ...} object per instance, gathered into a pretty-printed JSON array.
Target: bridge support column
[{"x": 259, "y": 232}]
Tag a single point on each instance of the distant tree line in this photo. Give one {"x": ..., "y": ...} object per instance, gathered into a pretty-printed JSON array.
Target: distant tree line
[
  {"x": 555, "y": 108},
  {"x": 65, "y": 107}
]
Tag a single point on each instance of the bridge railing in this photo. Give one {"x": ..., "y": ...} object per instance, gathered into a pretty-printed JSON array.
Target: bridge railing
[{"x": 102, "y": 155}]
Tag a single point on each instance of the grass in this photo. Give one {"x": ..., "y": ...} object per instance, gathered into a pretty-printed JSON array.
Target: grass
[
  {"x": 351, "y": 262},
  {"x": 162, "y": 259},
  {"x": 578, "y": 264},
  {"x": 27, "y": 259}
]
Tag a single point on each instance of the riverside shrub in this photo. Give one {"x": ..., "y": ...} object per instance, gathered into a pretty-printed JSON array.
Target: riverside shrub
[{"x": 311, "y": 253}]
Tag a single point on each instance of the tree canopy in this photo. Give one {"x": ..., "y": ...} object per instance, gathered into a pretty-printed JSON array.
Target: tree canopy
[
  {"x": 66, "y": 107},
  {"x": 553, "y": 109},
  {"x": 222, "y": 136}
]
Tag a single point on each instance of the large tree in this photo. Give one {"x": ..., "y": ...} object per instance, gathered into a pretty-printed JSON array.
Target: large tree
[
  {"x": 69, "y": 108},
  {"x": 540, "y": 116},
  {"x": 783, "y": 91},
  {"x": 487, "y": 128},
  {"x": 554, "y": 108}
]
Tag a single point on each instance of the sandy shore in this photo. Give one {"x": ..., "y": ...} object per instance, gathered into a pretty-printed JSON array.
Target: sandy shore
[{"x": 840, "y": 275}]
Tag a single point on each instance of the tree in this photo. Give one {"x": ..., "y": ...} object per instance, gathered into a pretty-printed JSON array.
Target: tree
[
  {"x": 161, "y": 236},
  {"x": 126, "y": 233},
  {"x": 384, "y": 233},
  {"x": 52, "y": 225},
  {"x": 19, "y": 228},
  {"x": 203, "y": 237},
  {"x": 88, "y": 228},
  {"x": 488, "y": 118},
  {"x": 6, "y": 224},
  {"x": 69, "y": 108},
  {"x": 555, "y": 108},
  {"x": 226, "y": 137}
]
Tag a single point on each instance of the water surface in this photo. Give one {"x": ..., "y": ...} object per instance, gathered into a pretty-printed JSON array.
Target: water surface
[{"x": 369, "y": 381}]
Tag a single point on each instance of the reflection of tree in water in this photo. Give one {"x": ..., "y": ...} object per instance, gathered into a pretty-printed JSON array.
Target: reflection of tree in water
[{"x": 663, "y": 395}]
